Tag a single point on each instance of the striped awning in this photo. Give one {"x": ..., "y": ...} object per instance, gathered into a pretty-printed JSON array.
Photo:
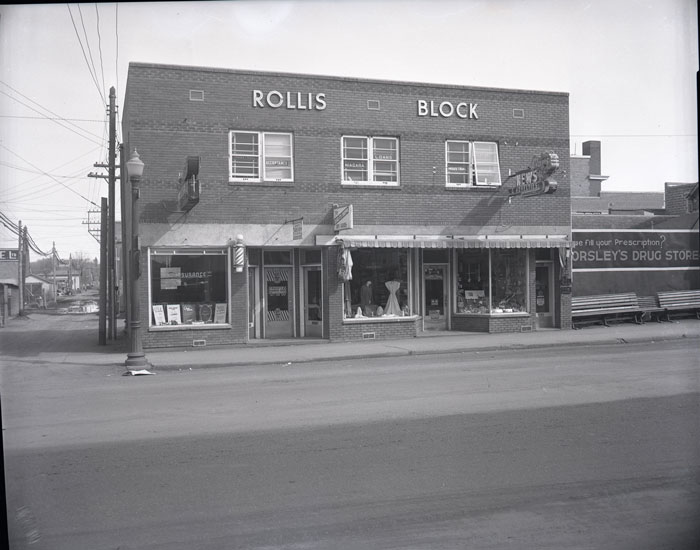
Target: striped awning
[{"x": 481, "y": 241}]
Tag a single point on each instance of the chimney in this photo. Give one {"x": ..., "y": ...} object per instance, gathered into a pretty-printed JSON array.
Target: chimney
[{"x": 592, "y": 149}]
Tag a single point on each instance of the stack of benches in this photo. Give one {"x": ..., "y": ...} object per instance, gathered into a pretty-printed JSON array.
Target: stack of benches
[{"x": 603, "y": 308}]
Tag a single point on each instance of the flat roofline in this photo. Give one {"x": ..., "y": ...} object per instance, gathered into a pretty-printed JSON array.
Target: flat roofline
[{"x": 140, "y": 64}]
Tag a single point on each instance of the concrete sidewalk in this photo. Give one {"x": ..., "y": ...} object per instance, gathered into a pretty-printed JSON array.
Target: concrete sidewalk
[
  {"x": 73, "y": 340},
  {"x": 453, "y": 342}
]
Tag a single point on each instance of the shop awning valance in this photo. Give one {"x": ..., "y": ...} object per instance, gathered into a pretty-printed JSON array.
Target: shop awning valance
[{"x": 482, "y": 241}]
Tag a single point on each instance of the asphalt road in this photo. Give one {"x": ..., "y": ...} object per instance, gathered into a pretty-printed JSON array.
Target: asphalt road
[{"x": 588, "y": 448}]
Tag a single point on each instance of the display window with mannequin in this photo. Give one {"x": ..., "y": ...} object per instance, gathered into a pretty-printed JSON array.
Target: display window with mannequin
[{"x": 379, "y": 285}]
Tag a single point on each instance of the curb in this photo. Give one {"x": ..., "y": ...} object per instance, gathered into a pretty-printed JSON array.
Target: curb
[{"x": 398, "y": 352}]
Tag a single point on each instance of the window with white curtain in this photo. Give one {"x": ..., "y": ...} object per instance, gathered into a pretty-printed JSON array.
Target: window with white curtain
[{"x": 261, "y": 156}]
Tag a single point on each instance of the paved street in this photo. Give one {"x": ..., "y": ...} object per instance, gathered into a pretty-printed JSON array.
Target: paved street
[{"x": 583, "y": 447}]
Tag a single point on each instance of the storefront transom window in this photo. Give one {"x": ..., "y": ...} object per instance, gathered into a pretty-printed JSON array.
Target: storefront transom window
[
  {"x": 189, "y": 288},
  {"x": 491, "y": 281}
]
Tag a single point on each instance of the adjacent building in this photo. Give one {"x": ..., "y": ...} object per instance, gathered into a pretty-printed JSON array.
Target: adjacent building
[
  {"x": 277, "y": 206},
  {"x": 631, "y": 242}
]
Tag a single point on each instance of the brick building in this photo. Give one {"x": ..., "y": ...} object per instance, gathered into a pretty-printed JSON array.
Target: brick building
[
  {"x": 345, "y": 209},
  {"x": 638, "y": 242}
]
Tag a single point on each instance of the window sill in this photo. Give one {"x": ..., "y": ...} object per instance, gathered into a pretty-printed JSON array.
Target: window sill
[
  {"x": 502, "y": 314},
  {"x": 262, "y": 183},
  {"x": 370, "y": 320},
  {"x": 395, "y": 186},
  {"x": 474, "y": 188},
  {"x": 166, "y": 328}
]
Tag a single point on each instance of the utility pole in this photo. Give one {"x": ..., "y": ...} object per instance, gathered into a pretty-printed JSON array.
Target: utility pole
[
  {"x": 113, "y": 306},
  {"x": 20, "y": 269},
  {"x": 53, "y": 267},
  {"x": 108, "y": 227},
  {"x": 125, "y": 201},
  {"x": 70, "y": 272},
  {"x": 102, "y": 329}
]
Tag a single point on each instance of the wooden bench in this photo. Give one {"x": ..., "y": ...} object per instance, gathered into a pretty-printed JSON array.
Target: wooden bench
[
  {"x": 680, "y": 301},
  {"x": 651, "y": 310},
  {"x": 601, "y": 308}
]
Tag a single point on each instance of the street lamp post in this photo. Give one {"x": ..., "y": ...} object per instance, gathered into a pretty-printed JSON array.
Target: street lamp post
[{"x": 136, "y": 358}]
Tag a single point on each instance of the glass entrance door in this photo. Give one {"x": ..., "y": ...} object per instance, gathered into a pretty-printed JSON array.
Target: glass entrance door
[
  {"x": 253, "y": 303},
  {"x": 313, "y": 311},
  {"x": 544, "y": 294},
  {"x": 278, "y": 317},
  {"x": 435, "y": 297}
]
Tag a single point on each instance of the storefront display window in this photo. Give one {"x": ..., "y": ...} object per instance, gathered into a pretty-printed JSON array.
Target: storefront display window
[
  {"x": 508, "y": 278},
  {"x": 379, "y": 284},
  {"x": 473, "y": 281},
  {"x": 491, "y": 285},
  {"x": 189, "y": 288}
]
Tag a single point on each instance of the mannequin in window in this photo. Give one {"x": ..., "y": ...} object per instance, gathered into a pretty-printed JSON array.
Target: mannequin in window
[
  {"x": 392, "y": 304},
  {"x": 366, "y": 296}
]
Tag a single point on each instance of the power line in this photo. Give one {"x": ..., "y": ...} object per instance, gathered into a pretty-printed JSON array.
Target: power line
[
  {"x": 87, "y": 43},
  {"x": 56, "y": 120},
  {"x": 116, "y": 32},
  {"x": 44, "y": 188},
  {"x": 15, "y": 167},
  {"x": 101, "y": 121},
  {"x": 48, "y": 175},
  {"x": 99, "y": 44},
  {"x": 77, "y": 34},
  {"x": 14, "y": 228}
]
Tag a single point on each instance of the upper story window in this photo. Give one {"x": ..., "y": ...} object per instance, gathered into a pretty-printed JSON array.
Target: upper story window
[
  {"x": 261, "y": 156},
  {"x": 370, "y": 160},
  {"x": 471, "y": 163}
]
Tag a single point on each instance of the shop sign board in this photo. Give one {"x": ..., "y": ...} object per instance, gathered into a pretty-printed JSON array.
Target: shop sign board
[
  {"x": 9, "y": 254},
  {"x": 536, "y": 178},
  {"x": 635, "y": 249},
  {"x": 297, "y": 229},
  {"x": 343, "y": 218}
]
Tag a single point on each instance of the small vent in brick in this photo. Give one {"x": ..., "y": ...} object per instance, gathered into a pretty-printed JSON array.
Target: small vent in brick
[
  {"x": 199, "y": 343},
  {"x": 368, "y": 335},
  {"x": 518, "y": 113},
  {"x": 373, "y": 104},
  {"x": 196, "y": 95},
  {"x": 525, "y": 328}
]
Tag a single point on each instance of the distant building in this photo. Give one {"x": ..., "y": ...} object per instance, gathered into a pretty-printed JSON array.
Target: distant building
[{"x": 631, "y": 242}]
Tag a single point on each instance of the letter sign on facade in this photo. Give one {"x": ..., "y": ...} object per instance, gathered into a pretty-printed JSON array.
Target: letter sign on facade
[
  {"x": 298, "y": 101},
  {"x": 447, "y": 109}
]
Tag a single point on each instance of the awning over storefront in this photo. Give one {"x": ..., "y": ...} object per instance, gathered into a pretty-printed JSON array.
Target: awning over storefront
[{"x": 480, "y": 241}]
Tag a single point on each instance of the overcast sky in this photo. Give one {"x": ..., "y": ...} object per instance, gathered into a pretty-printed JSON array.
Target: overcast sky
[{"x": 629, "y": 67}]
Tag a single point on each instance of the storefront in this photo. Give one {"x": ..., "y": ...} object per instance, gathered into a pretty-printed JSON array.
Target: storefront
[{"x": 346, "y": 209}]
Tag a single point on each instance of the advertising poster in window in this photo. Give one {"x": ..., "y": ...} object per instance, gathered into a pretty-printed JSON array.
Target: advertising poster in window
[
  {"x": 170, "y": 278},
  {"x": 189, "y": 315},
  {"x": 220, "y": 313},
  {"x": 174, "y": 317},
  {"x": 159, "y": 314}
]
